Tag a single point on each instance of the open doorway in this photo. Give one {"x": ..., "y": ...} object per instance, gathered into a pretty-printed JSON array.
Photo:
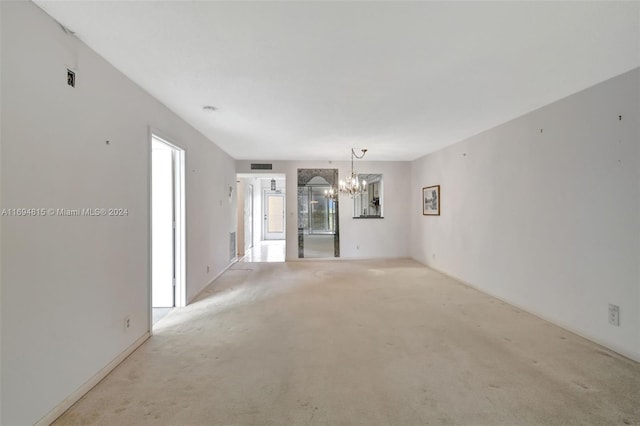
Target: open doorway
[
  {"x": 261, "y": 217},
  {"x": 167, "y": 228}
]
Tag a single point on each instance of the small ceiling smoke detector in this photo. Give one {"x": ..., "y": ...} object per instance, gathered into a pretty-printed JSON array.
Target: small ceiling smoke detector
[{"x": 209, "y": 108}]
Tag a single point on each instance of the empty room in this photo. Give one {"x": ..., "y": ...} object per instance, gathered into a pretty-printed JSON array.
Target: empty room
[{"x": 319, "y": 213}]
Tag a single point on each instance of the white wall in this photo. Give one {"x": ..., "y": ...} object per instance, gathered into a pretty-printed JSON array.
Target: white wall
[
  {"x": 376, "y": 238},
  {"x": 550, "y": 220},
  {"x": 257, "y": 211},
  {"x": 247, "y": 215},
  {"x": 69, "y": 282},
  {"x": 1, "y": 236},
  {"x": 241, "y": 193}
]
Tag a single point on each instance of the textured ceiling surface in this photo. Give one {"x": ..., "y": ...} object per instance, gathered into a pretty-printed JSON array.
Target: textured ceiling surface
[{"x": 310, "y": 80}]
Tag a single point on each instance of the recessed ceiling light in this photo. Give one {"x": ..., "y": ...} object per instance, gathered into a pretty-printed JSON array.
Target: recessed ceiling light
[{"x": 209, "y": 108}]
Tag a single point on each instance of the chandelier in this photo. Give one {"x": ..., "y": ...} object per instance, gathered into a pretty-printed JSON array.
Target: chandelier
[
  {"x": 330, "y": 194},
  {"x": 352, "y": 186}
]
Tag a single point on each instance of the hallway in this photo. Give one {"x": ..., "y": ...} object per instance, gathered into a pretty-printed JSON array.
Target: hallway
[
  {"x": 359, "y": 342},
  {"x": 266, "y": 251}
]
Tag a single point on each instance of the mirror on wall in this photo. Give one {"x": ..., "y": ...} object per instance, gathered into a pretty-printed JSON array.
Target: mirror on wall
[
  {"x": 318, "y": 228},
  {"x": 368, "y": 204}
]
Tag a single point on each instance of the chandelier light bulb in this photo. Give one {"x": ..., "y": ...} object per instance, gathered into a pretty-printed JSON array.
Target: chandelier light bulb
[
  {"x": 352, "y": 186},
  {"x": 330, "y": 193}
]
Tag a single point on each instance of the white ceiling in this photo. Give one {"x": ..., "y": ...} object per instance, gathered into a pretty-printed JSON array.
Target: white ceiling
[{"x": 310, "y": 80}]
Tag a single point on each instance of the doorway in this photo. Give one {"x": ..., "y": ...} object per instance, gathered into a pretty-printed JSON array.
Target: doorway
[
  {"x": 167, "y": 228},
  {"x": 262, "y": 221}
]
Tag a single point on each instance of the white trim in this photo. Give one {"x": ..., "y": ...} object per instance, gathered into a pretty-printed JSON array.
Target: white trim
[
  {"x": 150, "y": 230},
  {"x": 59, "y": 410},
  {"x": 181, "y": 221},
  {"x": 620, "y": 351},
  {"x": 181, "y": 213},
  {"x": 235, "y": 260}
]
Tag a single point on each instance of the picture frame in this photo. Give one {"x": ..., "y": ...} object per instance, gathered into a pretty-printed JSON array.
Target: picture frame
[{"x": 431, "y": 200}]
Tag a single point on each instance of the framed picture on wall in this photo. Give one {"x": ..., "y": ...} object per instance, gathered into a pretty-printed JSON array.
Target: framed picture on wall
[{"x": 431, "y": 200}]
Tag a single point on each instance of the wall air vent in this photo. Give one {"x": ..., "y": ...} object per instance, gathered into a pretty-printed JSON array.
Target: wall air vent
[
  {"x": 258, "y": 166},
  {"x": 232, "y": 246}
]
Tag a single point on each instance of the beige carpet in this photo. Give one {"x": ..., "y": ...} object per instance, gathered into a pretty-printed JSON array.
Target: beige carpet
[{"x": 360, "y": 343}]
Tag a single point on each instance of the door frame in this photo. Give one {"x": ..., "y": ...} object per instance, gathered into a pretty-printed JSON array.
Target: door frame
[{"x": 179, "y": 156}]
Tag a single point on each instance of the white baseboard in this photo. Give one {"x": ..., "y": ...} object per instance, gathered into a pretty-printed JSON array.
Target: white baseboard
[
  {"x": 195, "y": 296},
  {"x": 82, "y": 390},
  {"x": 621, "y": 351}
]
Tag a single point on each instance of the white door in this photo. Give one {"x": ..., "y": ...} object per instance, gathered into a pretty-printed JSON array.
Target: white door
[
  {"x": 162, "y": 223},
  {"x": 274, "y": 216}
]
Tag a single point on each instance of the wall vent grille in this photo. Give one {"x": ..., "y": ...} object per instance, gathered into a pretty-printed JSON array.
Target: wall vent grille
[
  {"x": 232, "y": 245},
  {"x": 261, "y": 166}
]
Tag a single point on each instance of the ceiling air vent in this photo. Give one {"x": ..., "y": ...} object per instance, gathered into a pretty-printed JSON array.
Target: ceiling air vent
[{"x": 258, "y": 166}]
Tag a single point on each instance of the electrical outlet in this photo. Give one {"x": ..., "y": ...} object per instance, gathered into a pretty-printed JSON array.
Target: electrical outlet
[
  {"x": 614, "y": 315},
  {"x": 127, "y": 323}
]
